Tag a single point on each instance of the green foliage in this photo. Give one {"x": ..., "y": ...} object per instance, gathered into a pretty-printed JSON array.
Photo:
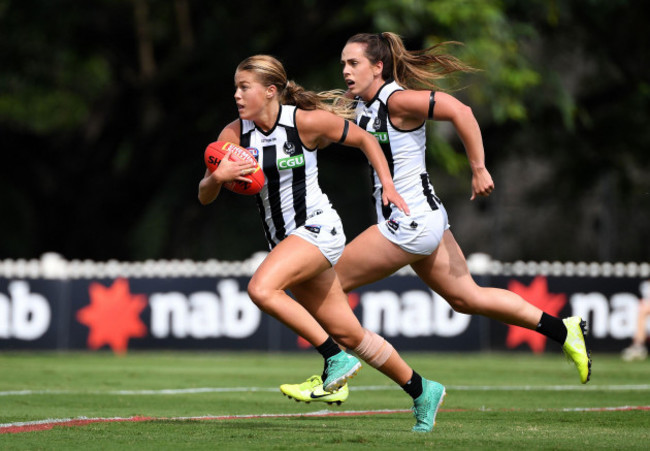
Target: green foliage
[
  {"x": 103, "y": 157},
  {"x": 492, "y": 44},
  {"x": 444, "y": 155},
  {"x": 46, "y": 85}
]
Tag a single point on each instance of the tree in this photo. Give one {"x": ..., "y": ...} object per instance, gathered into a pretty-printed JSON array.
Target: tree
[{"x": 106, "y": 107}]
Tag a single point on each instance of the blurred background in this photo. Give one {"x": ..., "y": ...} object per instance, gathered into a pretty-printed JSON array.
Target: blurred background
[{"x": 106, "y": 107}]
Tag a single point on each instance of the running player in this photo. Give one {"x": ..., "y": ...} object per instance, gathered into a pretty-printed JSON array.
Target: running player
[
  {"x": 285, "y": 126},
  {"x": 397, "y": 93}
]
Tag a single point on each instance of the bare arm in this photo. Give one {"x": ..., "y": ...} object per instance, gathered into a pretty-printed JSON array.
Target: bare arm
[
  {"x": 210, "y": 184},
  {"x": 319, "y": 128},
  {"x": 408, "y": 109}
]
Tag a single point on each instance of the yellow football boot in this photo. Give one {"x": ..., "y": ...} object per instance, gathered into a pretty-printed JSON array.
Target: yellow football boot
[
  {"x": 574, "y": 346},
  {"x": 312, "y": 390}
]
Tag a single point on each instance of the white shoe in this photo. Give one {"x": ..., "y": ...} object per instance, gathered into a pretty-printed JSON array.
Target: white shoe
[{"x": 634, "y": 352}]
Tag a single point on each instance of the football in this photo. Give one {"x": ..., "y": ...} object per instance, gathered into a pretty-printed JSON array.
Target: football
[{"x": 216, "y": 151}]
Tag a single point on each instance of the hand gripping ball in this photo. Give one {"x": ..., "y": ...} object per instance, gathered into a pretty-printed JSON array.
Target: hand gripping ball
[{"x": 216, "y": 151}]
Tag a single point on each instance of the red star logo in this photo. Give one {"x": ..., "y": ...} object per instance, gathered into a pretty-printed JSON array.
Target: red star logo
[
  {"x": 538, "y": 295},
  {"x": 113, "y": 316},
  {"x": 353, "y": 300}
]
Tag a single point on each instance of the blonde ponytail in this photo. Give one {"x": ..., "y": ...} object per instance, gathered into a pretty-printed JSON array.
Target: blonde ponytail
[{"x": 270, "y": 72}]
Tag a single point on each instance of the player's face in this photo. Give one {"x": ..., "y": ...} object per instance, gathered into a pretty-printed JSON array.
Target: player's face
[
  {"x": 362, "y": 77},
  {"x": 250, "y": 95}
]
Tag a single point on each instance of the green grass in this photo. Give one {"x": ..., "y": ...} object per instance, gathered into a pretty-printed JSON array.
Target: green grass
[{"x": 495, "y": 401}]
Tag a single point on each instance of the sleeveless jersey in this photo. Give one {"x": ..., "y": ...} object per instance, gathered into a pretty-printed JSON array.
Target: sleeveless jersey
[
  {"x": 405, "y": 152},
  {"x": 291, "y": 192}
]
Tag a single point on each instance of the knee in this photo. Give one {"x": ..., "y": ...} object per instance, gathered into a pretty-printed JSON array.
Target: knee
[
  {"x": 346, "y": 282},
  {"x": 462, "y": 305},
  {"x": 260, "y": 294}
]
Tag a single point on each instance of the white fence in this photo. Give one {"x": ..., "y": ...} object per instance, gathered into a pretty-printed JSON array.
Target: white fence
[{"x": 54, "y": 266}]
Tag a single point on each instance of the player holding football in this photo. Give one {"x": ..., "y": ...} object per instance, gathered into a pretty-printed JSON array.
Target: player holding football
[
  {"x": 397, "y": 93},
  {"x": 286, "y": 125}
]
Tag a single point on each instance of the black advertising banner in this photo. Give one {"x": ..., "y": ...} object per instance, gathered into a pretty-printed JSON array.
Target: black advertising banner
[
  {"x": 412, "y": 317},
  {"x": 173, "y": 313},
  {"x": 609, "y": 304},
  {"x": 215, "y": 313},
  {"x": 34, "y": 314}
]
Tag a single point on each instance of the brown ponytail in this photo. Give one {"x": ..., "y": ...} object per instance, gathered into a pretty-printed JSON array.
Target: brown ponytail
[{"x": 418, "y": 69}]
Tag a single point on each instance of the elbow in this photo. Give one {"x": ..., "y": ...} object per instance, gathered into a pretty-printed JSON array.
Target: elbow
[
  {"x": 467, "y": 113},
  {"x": 463, "y": 118},
  {"x": 204, "y": 199}
]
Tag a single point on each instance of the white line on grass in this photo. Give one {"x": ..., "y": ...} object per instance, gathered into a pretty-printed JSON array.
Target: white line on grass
[
  {"x": 41, "y": 425},
  {"x": 183, "y": 391},
  {"x": 318, "y": 413}
]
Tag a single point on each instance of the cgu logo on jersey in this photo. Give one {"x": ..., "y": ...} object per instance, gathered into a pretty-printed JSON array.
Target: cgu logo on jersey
[
  {"x": 382, "y": 137},
  {"x": 291, "y": 162}
]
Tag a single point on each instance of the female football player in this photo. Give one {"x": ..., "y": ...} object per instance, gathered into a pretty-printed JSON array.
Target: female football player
[
  {"x": 285, "y": 126},
  {"x": 397, "y": 93}
]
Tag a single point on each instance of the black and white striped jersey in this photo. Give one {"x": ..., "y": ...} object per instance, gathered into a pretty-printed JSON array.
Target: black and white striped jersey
[
  {"x": 405, "y": 151},
  {"x": 291, "y": 192}
]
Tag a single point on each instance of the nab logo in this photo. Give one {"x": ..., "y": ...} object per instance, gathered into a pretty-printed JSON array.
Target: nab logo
[
  {"x": 382, "y": 137},
  {"x": 24, "y": 315},
  {"x": 291, "y": 162}
]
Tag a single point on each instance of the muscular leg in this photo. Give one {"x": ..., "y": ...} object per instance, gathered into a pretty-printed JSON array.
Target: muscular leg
[
  {"x": 289, "y": 263},
  {"x": 446, "y": 272},
  {"x": 356, "y": 267},
  {"x": 326, "y": 301},
  {"x": 370, "y": 257},
  {"x": 323, "y": 306}
]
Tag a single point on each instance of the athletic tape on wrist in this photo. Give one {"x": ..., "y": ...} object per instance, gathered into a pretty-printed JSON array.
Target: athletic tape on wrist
[{"x": 374, "y": 349}]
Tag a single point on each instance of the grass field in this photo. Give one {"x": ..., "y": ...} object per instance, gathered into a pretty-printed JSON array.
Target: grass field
[{"x": 188, "y": 400}]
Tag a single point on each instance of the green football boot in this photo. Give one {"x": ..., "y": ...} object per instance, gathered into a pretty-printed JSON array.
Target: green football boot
[
  {"x": 339, "y": 369},
  {"x": 425, "y": 406}
]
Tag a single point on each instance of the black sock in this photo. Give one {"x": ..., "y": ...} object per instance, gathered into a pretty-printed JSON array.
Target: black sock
[
  {"x": 414, "y": 386},
  {"x": 552, "y": 327},
  {"x": 328, "y": 349}
]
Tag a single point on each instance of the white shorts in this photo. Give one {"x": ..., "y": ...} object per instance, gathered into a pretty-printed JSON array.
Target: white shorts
[
  {"x": 325, "y": 231},
  {"x": 418, "y": 233}
]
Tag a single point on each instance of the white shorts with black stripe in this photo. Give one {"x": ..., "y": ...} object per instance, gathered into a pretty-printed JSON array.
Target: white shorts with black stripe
[
  {"x": 325, "y": 231},
  {"x": 418, "y": 233}
]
